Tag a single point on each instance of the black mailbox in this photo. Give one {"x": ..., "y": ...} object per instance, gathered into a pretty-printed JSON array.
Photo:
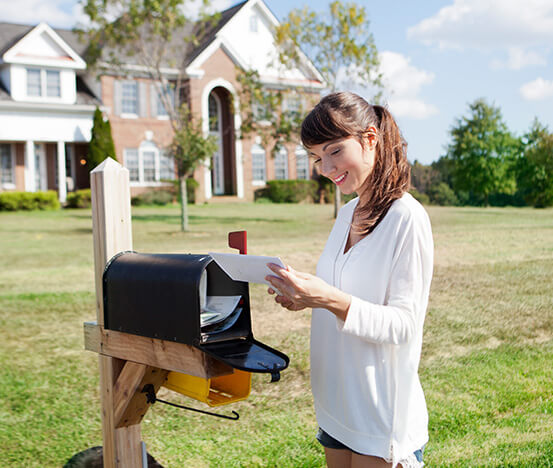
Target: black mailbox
[{"x": 161, "y": 296}]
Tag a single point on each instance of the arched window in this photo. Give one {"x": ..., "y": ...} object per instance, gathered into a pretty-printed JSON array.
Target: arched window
[
  {"x": 258, "y": 164},
  {"x": 147, "y": 164},
  {"x": 302, "y": 163},
  {"x": 281, "y": 164}
]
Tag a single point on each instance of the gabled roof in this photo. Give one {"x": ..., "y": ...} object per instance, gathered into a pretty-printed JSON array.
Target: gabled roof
[
  {"x": 19, "y": 40},
  {"x": 210, "y": 34}
]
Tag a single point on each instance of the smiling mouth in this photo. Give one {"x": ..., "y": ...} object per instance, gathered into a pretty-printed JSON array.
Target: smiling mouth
[{"x": 340, "y": 179}]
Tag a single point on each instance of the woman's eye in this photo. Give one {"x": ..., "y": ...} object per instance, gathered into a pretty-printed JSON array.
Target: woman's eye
[
  {"x": 335, "y": 152},
  {"x": 317, "y": 161}
]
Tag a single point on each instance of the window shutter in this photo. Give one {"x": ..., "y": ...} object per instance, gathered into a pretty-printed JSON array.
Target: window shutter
[
  {"x": 142, "y": 99},
  {"x": 153, "y": 100},
  {"x": 117, "y": 97}
]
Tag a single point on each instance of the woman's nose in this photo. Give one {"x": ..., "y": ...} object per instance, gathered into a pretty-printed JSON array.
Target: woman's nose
[{"x": 327, "y": 166}]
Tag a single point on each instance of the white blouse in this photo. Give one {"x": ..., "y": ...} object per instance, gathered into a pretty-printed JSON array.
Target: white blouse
[{"x": 364, "y": 371}]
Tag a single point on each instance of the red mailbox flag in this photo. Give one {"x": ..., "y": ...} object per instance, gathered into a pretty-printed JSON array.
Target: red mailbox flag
[{"x": 238, "y": 240}]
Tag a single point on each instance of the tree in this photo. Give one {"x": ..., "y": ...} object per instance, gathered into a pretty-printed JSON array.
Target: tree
[
  {"x": 264, "y": 113},
  {"x": 156, "y": 35},
  {"x": 338, "y": 43},
  {"x": 101, "y": 142},
  {"x": 189, "y": 148},
  {"x": 535, "y": 167},
  {"x": 482, "y": 152}
]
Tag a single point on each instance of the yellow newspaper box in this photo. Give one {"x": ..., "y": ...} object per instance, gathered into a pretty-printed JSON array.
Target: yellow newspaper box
[{"x": 216, "y": 391}]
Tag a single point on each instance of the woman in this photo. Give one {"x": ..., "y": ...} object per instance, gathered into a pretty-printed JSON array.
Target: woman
[{"x": 370, "y": 294}]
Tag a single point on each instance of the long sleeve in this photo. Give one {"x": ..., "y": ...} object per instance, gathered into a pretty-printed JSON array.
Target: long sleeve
[{"x": 401, "y": 315}]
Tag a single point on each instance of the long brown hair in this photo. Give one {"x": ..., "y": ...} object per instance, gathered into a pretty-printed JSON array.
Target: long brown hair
[{"x": 345, "y": 114}]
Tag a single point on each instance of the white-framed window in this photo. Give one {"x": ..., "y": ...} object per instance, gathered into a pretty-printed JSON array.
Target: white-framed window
[
  {"x": 148, "y": 165},
  {"x": 129, "y": 97},
  {"x": 259, "y": 156},
  {"x": 281, "y": 164},
  {"x": 7, "y": 166},
  {"x": 34, "y": 82},
  {"x": 53, "y": 83},
  {"x": 302, "y": 163},
  {"x": 130, "y": 156},
  {"x": 161, "y": 111},
  {"x": 166, "y": 166},
  {"x": 43, "y": 83}
]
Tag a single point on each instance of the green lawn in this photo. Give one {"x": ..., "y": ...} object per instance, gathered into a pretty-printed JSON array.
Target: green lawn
[{"x": 486, "y": 366}]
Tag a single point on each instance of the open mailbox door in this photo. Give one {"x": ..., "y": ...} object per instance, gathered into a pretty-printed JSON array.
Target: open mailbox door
[{"x": 163, "y": 296}]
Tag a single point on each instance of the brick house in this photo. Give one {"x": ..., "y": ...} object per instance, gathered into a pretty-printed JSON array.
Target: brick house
[{"x": 47, "y": 99}]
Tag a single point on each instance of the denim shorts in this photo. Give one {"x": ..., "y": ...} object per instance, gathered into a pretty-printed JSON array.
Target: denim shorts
[{"x": 326, "y": 440}]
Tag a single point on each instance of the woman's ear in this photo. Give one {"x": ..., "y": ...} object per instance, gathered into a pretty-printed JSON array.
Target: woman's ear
[{"x": 371, "y": 137}]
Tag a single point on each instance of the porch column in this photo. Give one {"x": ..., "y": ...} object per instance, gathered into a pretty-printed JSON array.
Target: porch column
[
  {"x": 62, "y": 175},
  {"x": 30, "y": 169}
]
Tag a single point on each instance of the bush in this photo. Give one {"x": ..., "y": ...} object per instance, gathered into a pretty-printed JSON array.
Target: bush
[
  {"x": 154, "y": 197},
  {"x": 15, "y": 201},
  {"x": 420, "y": 197},
  {"x": 442, "y": 194},
  {"x": 291, "y": 191},
  {"x": 79, "y": 199}
]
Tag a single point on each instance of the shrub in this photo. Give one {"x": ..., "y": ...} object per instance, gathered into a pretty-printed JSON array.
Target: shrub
[
  {"x": 154, "y": 197},
  {"x": 442, "y": 194},
  {"x": 420, "y": 197},
  {"x": 79, "y": 199},
  {"x": 15, "y": 201},
  {"x": 291, "y": 191}
]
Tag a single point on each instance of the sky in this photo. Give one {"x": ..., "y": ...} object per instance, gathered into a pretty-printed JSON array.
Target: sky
[{"x": 437, "y": 57}]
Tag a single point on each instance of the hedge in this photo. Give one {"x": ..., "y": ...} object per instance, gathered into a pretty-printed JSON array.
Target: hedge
[
  {"x": 153, "y": 197},
  {"x": 79, "y": 199},
  {"x": 15, "y": 201},
  {"x": 290, "y": 191}
]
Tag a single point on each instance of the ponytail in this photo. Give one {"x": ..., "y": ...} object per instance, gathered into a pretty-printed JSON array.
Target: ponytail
[{"x": 391, "y": 174}]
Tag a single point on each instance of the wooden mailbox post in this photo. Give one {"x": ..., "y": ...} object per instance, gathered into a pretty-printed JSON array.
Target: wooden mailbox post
[{"x": 128, "y": 362}]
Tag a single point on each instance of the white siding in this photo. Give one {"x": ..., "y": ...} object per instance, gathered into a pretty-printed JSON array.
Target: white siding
[
  {"x": 257, "y": 49},
  {"x": 45, "y": 125}
]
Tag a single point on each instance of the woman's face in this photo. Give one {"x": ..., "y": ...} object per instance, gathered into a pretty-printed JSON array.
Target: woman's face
[{"x": 345, "y": 161}]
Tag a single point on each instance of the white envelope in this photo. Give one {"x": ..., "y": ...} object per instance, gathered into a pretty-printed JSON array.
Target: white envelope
[{"x": 250, "y": 268}]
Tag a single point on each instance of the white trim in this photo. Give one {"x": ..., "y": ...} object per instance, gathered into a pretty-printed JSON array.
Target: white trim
[
  {"x": 218, "y": 167},
  {"x": 115, "y": 71},
  {"x": 239, "y": 163},
  {"x": 62, "y": 175},
  {"x": 10, "y": 56},
  {"x": 30, "y": 166},
  {"x": 44, "y": 106}
]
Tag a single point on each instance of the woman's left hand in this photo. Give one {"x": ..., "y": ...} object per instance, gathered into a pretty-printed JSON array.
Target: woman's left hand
[{"x": 299, "y": 290}]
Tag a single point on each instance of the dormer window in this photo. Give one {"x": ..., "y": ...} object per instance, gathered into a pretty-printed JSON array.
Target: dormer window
[
  {"x": 34, "y": 85},
  {"x": 42, "y": 83},
  {"x": 53, "y": 85}
]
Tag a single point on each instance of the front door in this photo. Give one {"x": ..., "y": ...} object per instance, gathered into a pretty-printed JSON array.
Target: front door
[
  {"x": 216, "y": 130},
  {"x": 41, "y": 182}
]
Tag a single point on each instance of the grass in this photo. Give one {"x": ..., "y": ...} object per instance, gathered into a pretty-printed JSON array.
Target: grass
[{"x": 486, "y": 365}]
